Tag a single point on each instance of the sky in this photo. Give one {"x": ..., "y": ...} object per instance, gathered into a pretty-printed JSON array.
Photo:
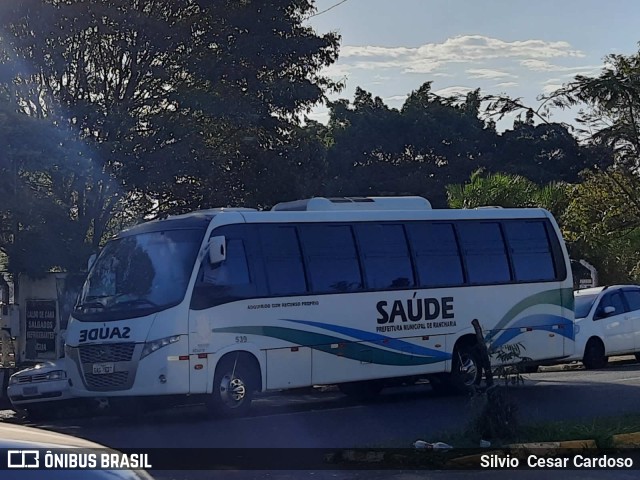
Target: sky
[{"x": 521, "y": 48}]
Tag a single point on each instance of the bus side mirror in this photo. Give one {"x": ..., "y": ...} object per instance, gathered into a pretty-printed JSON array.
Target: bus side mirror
[
  {"x": 217, "y": 249},
  {"x": 91, "y": 261}
]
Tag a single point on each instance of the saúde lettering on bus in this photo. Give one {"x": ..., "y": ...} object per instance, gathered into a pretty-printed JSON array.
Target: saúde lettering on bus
[
  {"x": 415, "y": 309},
  {"x": 104, "y": 333}
]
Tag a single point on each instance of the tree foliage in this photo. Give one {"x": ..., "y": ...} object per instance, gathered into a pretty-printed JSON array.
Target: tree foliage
[
  {"x": 152, "y": 106},
  {"x": 509, "y": 191}
]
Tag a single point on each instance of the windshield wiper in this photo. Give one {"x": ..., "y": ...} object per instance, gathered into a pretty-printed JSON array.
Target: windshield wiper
[
  {"x": 86, "y": 305},
  {"x": 134, "y": 301}
]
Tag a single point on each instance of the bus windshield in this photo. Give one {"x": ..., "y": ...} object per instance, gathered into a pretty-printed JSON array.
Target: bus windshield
[{"x": 139, "y": 274}]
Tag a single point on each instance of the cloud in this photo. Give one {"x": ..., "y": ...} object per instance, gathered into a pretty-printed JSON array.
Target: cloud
[
  {"x": 544, "y": 66},
  {"x": 507, "y": 84},
  {"x": 488, "y": 73},
  {"x": 453, "y": 91},
  {"x": 460, "y": 49},
  {"x": 395, "y": 99},
  {"x": 550, "y": 88}
]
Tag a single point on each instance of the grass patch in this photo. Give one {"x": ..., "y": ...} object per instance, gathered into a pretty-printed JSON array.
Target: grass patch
[{"x": 600, "y": 429}]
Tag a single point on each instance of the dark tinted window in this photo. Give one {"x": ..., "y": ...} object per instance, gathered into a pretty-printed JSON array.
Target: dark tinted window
[
  {"x": 633, "y": 299},
  {"x": 331, "y": 258},
  {"x": 385, "y": 256},
  {"x": 613, "y": 299},
  {"x": 484, "y": 252},
  {"x": 583, "y": 304},
  {"x": 230, "y": 280},
  {"x": 283, "y": 265},
  {"x": 530, "y": 250},
  {"x": 436, "y": 254}
]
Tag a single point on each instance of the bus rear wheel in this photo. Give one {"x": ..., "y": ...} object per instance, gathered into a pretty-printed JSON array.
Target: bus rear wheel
[{"x": 234, "y": 383}]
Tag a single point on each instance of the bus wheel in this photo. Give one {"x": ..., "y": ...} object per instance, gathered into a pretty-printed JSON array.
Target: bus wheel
[
  {"x": 465, "y": 369},
  {"x": 361, "y": 390},
  {"x": 233, "y": 385},
  {"x": 594, "y": 357}
]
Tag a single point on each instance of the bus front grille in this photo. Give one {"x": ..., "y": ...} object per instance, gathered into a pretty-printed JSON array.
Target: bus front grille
[
  {"x": 109, "y": 352},
  {"x": 110, "y": 381}
]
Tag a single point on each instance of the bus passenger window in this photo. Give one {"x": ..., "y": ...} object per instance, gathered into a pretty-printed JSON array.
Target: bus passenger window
[
  {"x": 530, "y": 250},
  {"x": 436, "y": 254},
  {"x": 385, "y": 256},
  {"x": 331, "y": 257},
  {"x": 484, "y": 252},
  {"x": 282, "y": 259}
]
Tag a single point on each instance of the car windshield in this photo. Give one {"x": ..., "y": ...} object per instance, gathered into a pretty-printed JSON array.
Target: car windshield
[
  {"x": 583, "y": 304},
  {"x": 138, "y": 274}
]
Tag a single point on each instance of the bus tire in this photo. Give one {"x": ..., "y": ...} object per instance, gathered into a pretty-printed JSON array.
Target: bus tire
[
  {"x": 466, "y": 373},
  {"x": 361, "y": 390},
  {"x": 594, "y": 356},
  {"x": 234, "y": 383}
]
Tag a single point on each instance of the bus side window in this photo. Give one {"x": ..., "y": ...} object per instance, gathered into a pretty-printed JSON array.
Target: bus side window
[
  {"x": 224, "y": 282},
  {"x": 385, "y": 256},
  {"x": 530, "y": 250},
  {"x": 484, "y": 252},
  {"x": 331, "y": 257},
  {"x": 436, "y": 252},
  {"x": 232, "y": 271},
  {"x": 284, "y": 269}
]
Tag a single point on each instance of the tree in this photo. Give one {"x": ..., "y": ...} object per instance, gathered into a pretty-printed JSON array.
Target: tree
[
  {"x": 158, "y": 106},
  {"x": 612, "y": 101},
  {"x": 509, "y": 191},
  {"x": 430, "y": 142},
  {"x": 602, "y": 226},
  {"x": 604, "y": 213}
]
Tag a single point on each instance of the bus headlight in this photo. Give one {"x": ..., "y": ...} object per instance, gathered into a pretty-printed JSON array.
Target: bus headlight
[{"x": 154, "y": 345}]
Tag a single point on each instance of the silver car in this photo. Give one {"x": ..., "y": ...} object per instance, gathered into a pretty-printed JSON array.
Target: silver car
[{"x": 40, "y": 390}]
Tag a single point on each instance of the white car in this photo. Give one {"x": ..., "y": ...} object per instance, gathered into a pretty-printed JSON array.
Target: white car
[
  {"x": 18, "y": 439},
  {"x": 38, "y": 389},
  {"x": 607, "y": 324}
]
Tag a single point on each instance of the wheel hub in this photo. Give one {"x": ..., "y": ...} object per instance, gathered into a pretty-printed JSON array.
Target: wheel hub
[
  {"x": 468, "y": 369},
  {"x": 232, "y": 391}
]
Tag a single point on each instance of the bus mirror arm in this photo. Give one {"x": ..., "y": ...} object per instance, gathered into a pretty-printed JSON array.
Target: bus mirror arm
[{"x": 217, "y": 250}]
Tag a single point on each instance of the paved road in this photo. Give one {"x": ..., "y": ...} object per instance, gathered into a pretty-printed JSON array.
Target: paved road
[{"x": 396, "y": 419}]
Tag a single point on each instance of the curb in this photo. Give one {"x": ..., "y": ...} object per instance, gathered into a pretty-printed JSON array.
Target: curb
[{"x": 626, "y": 440}]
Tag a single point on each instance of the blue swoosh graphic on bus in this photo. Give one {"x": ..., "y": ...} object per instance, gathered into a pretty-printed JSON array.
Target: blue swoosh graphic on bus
[
  {"x": 382, "y": 340},
  {"x": 563, "y": 326}
]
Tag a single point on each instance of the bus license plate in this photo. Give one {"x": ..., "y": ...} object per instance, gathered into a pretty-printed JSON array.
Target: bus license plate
[{"x": 102, "y": 368}]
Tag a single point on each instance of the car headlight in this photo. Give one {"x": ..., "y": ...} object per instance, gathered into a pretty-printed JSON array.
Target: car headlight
[
  {"x": 151, "y": 347},
  {"x": 13, "y": 379},
  {"x": 57, "y": 375}
]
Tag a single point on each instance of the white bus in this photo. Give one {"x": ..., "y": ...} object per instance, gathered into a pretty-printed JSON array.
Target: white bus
[{"x": 362, "y": 293}]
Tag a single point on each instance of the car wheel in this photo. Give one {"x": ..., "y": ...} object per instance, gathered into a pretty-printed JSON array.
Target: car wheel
[
  {"x": 594, "y": 356},
  {"x": 235, "y": 380}
]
